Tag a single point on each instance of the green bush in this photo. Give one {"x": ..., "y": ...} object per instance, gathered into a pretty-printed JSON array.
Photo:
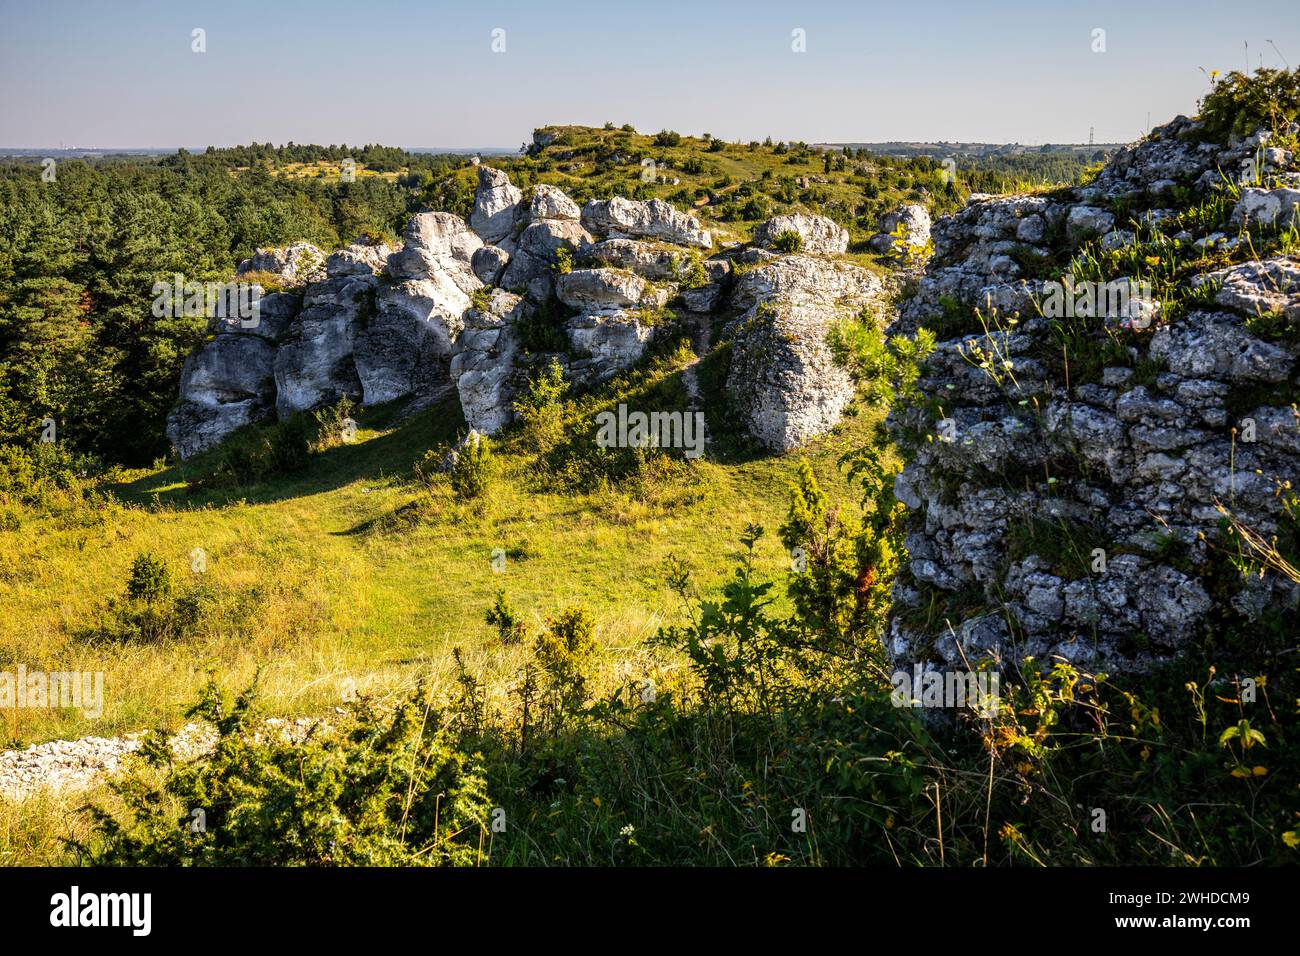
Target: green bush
[
  {"x": 150, "y": 580},
  {"x": 152, "y": 610},
  {"x": 473, "y": 467},
  {"x": 368, "y": 789},
  {"x": 541, "y": 407},
  {"x": 510, "y": 624},
  {"x": 788, "y": 241},
  {"x": 256, "y": 453},
  {"x": 334, "y": 424},
  {"x": 1239, "y": 104}
]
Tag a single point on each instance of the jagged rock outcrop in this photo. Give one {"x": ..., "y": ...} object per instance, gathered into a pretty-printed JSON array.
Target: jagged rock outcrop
[
  {"x": 483, "y": 362},
  {"x": 620, "y": 218},
  {"x": 784, "y": 381},
  {"x": 230, "y": 382},
  {"x": 550, "y": 202},
  {"x": 496, "y": 206},
  {"x": 314, "y": 365},
  {"x": 382, "y": 324},
  {"x": 405, "y": 347},
  {"x": 905, "y": 228},
  {"x": 817, "y": 234},
  {"x": 658, "y": 262},
  {"x": 360, "y": 258},
  {"x": 604, "y": 290},
  {"x": 531, "y": 270},
  {"x": 1067, "y": 504},
  {"x": 299, "y": 262}
]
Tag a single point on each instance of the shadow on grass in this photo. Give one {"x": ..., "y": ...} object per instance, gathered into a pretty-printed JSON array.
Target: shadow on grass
[{"x": 391, "y": 453}]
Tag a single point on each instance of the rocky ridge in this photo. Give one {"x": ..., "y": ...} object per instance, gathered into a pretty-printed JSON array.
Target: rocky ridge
[
  {"x": 458, "y": 307},
  {"x": 1067, "y": 505}
]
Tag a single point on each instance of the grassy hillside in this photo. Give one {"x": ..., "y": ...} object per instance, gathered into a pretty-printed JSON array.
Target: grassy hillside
[
  {"x": 734, "y": 186},
  {"x": 355, "y": 569}
]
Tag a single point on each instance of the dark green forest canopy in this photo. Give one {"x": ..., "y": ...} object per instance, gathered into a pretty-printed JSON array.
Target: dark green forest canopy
[{"x": 79, "y": 257}]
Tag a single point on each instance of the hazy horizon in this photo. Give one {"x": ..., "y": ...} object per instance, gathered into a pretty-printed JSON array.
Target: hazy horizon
[{"x": 127, "y": 76}]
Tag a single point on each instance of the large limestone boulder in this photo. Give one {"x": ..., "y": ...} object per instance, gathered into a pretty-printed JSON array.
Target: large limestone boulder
[
  {"x": 784, "y": 381},
  {"x": 230, "y": 368},
  {"x": 435, "y": 242},
  {"x": 551, "y": 202},
  {"x": 225, "y": 385},
  {"x": 530, "y": 270},
  {"x": 651, "y": 260},
  {"x": 805, "y": 280},
  {"x": 300, "y": 262},
  {"x": 606, "y": 343},
  {"x": 483, "y": 363},
  {"x": 620, "y": 218},
  {"x": 489, "y": 264},
  {"x": 229, "y": 382},
  {"x": 274, "y": 313},
  {"x": 817, "y": 234},
  {"x": 193, "y": 427},
  {"x": 359, "y": 258},
  {"x": 406, "y": 345},
  {"x": 496, "y": 206},
  {"x": 904, "y": 228},
  {"x": 606, "y": 290}
]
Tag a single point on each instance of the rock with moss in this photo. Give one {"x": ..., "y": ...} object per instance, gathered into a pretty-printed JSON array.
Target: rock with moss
[
  {"x": 483, "y": 362},
  {"x": 1069, "y": 479},
  {"x": 817, "y": 235},
  {"x": 907, "y": 227},
  {"x": 298, "y": 262}
]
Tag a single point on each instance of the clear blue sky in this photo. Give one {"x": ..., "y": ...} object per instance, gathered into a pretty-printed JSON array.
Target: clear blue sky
[{"x": 423, "y": 72}]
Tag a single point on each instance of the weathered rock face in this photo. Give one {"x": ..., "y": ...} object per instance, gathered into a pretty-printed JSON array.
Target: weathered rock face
[
  {"x": 225, "y": 385},
  {"x": 496, "y": 206},
  {"x": 906, "y": 227},
  {"x": 604, "y": 290},
  {"x": 1269, "y": 207},
  {"x": 655, "y": 261},
  {"x": 314, "y": 366},
  {"x": 300, "y": 262},
  {"x": 1172, "y": 155},
  {"x": 483, "y": 362},
  {"x": 783, "y": 377},
  {"x": 360, "y": 258},
  {"x": 784, "y": 380},
  {"x": 805, "y": 280},
  {"x": 489, "y": 263},
  {"x": 548, "y": 202},
  {"x": 1074, "y": 513},
  {"x": 274, "y": 312},
  {"x": 817, "y": 234},
  {"x": 620, "y": 218},
  {"x": 531, "y": 268},
  {"x": 229, "y": 382},
  {"x": 436, "y": 242},
  {"x": 606, "y": 343},
  {"x": 405, "y": 347}
]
